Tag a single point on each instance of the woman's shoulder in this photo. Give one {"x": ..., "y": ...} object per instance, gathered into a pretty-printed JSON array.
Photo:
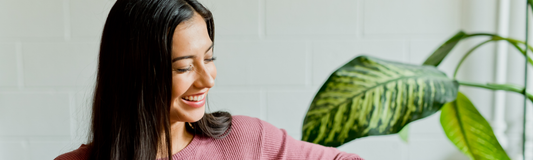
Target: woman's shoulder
[
  {"x": 251, "y": 126},
  {"x": 245, "y": 126},
  {"x": 241, "y": 122},
  {"x": 82, "y": 153},
  {"x": 244, "y": 140},
  {"x": 246, "y": 122},
  {"x": 244, "y": 119}
]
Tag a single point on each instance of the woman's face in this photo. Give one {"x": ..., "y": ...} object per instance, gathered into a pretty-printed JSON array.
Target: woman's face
[{"x": 193, "y": 70}]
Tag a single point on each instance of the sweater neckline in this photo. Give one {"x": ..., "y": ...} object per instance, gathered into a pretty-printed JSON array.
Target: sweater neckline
[{"x": 189, "y": 149}]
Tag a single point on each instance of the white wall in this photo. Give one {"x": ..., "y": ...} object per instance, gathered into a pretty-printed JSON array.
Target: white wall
[{"x": 273, "y": 55}]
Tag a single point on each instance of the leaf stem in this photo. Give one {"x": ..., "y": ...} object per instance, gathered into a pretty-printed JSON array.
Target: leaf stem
[
  {"x": 467, "y": 54},
  {"x": 503, "y": 87},
  {"x": 512, "y": 41}
]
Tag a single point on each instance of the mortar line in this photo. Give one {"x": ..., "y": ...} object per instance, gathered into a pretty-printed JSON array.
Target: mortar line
[
  {"x": 263, "y": 109},
  {"x": 407, "y": 51},
  {"x": 67, "y": 35},
  {"x": 359, "y": 20},
  {"x": 72, "y": 112},
  {"x": 261, "y": 19},
  {"x": 308, "y": 63},
  {"x": 20, "y": 65},
  {"x": 26, "y": 144}
]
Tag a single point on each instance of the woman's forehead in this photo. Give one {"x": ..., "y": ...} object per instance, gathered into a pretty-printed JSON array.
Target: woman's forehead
[{"x": 191, "y": 36}]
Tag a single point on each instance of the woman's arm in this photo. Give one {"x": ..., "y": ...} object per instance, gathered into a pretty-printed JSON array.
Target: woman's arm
[{"x": 276, "y": 144}]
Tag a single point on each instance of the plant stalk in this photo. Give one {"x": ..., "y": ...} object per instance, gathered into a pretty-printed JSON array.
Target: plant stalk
[
  {"x": 512, "y": 41},
  {"x": 503, "y": 87},
  {"x": 494, "y": 38},
  {"x": 524, "y": 118},
  {"x": 467, "y": 54}
]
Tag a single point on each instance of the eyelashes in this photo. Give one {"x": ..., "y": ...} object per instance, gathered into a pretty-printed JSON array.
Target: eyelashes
[
  {"x": 210, "y": 59},
  {"x": 184, "y": 70},
  {"x": 190, "y": 66}
]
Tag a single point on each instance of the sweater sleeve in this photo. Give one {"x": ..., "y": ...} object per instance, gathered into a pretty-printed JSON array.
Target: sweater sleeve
[
  {"x": 81, "y": 153},
  {"x": 276, "y": 144}
]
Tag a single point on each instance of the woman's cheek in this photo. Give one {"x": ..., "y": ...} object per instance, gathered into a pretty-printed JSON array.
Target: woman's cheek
[
  {"x": 177, "y": 88},
  {"x": 213, "y": 70},
  {"x": 180, "y": 85}
]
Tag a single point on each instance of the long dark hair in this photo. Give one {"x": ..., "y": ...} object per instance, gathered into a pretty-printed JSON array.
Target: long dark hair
[{"x": 133, "y": 86}]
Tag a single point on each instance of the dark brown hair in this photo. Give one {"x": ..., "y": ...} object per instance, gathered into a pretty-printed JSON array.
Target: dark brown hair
[{"x": 132, "y": 95}]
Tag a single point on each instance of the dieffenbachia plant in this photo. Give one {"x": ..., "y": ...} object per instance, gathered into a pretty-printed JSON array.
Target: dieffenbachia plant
[{"x": 369, "y": 96}]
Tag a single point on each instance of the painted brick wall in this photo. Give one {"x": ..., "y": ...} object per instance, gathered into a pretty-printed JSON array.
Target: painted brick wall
[{"x": 273, "y": 55}]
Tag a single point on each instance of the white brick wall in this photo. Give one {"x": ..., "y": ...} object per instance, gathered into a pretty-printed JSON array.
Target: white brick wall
[
  {"x": 226, "y": 21},
  {"x": 32, "y": 18},
  {"x": 8, "y": 61},
  {"x": 310, "y": 17},
  {"x": 273, "y": 55},
  {"x": 411, "y": 17},
  {"x": 59, "y": 64}
]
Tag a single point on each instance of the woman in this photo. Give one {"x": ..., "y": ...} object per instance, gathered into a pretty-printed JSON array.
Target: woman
[{"x": 155, "y": 70}]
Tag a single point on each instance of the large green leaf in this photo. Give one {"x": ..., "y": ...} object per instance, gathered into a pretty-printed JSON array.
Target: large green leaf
[
  {"x": 369, "y": 96},
  {"x": 469, "y": 131},
  {"x": 444, "y": 49}
]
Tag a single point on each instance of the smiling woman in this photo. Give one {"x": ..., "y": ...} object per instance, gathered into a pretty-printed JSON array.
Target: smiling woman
[
  {"x": 155, "y": 71},
  {"x": 193, "y": 70}
]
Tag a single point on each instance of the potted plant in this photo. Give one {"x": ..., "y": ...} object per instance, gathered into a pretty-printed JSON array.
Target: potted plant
[{"x": 370, "y": 96}]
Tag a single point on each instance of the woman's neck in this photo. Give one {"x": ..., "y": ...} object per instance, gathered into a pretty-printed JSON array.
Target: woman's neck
[{"x": 179, "y": 137}]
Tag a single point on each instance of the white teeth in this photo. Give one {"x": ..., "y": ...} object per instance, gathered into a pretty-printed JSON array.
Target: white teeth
[{"x": 194, "y": 98}]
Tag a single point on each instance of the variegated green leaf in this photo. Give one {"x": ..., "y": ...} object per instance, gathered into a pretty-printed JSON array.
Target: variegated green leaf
[
  {"x": 369, "y": 96},
  {"x": 444, "y": 49},
  {"x": 469, "y": 131}
]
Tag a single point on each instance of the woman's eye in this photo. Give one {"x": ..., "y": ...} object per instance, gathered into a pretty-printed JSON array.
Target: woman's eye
[
  {"x": 184, "y": 70},
  {"x": 210, "y": 59}
]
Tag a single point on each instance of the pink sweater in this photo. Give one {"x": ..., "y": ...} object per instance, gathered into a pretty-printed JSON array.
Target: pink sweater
[{"x": 250, "y": 138}]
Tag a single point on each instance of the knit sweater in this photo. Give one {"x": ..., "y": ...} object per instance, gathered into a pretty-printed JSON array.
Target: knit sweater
[{"x": 250, "y": 138}]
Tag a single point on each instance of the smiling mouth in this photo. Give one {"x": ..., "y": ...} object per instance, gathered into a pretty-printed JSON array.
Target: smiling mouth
[{"x": 194, "y": 98}]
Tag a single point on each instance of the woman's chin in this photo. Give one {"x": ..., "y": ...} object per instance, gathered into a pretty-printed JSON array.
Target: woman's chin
[
  {"x": 197, "y": 114},
  {"x": 196, "y": 118}
]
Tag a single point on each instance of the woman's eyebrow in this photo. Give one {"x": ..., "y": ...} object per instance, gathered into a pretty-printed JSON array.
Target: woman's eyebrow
[
  {"x": 191, "y": 56},
  {"x": 180, "y": 58}
]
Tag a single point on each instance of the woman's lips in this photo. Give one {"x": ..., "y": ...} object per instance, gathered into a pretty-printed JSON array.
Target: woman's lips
[{"x": 195, "y": 104}]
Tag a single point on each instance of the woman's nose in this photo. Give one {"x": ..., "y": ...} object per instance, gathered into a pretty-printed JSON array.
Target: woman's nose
[{"x": 204, "y": 80}]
